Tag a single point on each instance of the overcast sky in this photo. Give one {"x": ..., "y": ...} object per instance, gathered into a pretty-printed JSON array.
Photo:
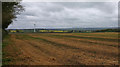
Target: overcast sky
[{"x": 67, "y": 15}]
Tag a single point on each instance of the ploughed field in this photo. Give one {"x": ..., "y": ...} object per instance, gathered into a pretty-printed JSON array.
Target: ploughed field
[{"x": 61, "y": 49}]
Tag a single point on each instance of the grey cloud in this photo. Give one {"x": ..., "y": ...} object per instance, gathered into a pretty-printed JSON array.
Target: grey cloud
[
  {"x": 67, "y": 14},
  {"x": 104, "y": 6}
]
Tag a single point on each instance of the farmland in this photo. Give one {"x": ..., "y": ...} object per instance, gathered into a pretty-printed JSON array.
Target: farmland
[{"x": 61, "y": 48}]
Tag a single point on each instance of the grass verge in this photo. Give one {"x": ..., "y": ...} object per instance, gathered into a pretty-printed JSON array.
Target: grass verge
[{"x": 5, "y": 43}]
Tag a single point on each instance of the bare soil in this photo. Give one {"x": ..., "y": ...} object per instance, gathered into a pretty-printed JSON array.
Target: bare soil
[{"x": 46, "y": 49}]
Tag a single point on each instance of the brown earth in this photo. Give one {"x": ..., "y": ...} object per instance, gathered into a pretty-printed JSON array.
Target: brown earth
[{"x": 46, "y": 49}]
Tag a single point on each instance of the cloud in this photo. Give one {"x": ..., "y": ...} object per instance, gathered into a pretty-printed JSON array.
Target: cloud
[{"x": 67, "y": 15}]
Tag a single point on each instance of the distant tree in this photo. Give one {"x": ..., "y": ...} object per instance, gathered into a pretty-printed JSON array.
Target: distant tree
[{"x": 108, "y": 30}]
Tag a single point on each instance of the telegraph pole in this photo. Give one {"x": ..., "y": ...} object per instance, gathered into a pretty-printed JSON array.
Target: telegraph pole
[{"x": 34, "y": 28}]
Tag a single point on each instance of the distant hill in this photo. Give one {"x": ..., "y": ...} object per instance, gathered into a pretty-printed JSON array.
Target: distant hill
[
  {"x": 63, "y": 30},
  {"x": 92, "y": 29},
  {"x": 82, "y": 29}
]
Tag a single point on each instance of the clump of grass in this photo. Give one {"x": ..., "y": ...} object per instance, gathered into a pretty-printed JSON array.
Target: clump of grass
[
  {"x": 5, "y": 42},
  {"x": 5, "y": 61}
]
